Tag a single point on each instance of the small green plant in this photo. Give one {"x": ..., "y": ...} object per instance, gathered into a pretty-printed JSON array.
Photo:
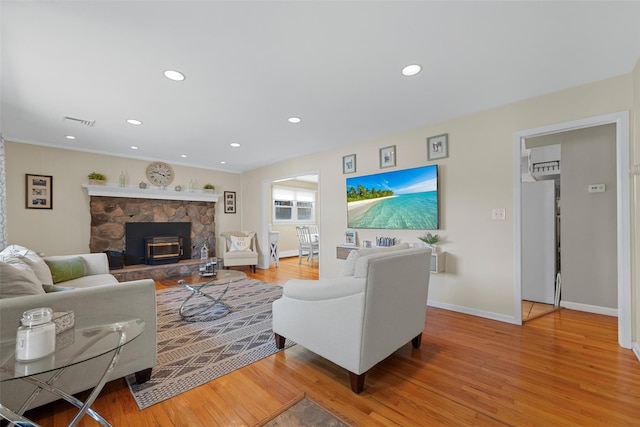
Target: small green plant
[
  {"x": 97, "y": 176},
  {"x": 209, "y": 187},
  {"x": 430, "y": 239}
]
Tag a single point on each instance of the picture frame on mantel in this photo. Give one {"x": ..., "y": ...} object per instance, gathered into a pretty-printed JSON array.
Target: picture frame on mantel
[
  {"x": 39, "y": 191},
  {"x": 438, "y": 147},
  {"x": 349, "y": 164},
  {"x": 229, "y": 202},
  {"x": 388, "y": 156}
]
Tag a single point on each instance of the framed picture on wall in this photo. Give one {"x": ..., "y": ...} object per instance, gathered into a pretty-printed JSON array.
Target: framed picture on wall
[
  {"x": 230, "y": 202},
  {"x": 349, "y": 164},
  {"x": 438, "y": 147},
  {"x": 388, "y": 156},
  {"x": 39, "y": 191}
]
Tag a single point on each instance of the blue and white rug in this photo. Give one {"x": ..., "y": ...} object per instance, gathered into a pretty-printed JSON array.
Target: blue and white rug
[{"x": 193, "y": 353}]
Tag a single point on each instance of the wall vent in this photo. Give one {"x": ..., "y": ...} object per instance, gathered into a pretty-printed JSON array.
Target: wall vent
[{"x": 77, "y": 121}]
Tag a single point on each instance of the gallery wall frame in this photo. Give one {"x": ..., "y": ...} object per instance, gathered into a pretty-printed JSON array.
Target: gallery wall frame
[
  {"x": 38, "y": 191},
  {"x": 438, "y": 147},
  {"x": 388, "y": 157},
  {"x": 229, "y": 202},
  {"x": 349, "y": 164}
]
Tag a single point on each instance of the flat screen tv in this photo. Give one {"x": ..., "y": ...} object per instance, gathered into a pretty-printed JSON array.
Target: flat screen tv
[{"x": 405, "y": 199}]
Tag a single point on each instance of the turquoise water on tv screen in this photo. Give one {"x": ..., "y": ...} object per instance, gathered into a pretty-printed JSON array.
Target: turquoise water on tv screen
[{"x": 404, "y": 211}]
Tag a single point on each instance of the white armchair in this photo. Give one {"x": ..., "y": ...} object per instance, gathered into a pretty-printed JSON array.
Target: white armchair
[
  {"x": 240, "y": 249},
  {"x": 361, "y": 318}
]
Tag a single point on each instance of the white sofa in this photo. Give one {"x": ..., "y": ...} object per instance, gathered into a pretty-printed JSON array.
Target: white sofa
[
  {"x": 95, "y": 293},
  {"x": 358, "y": 319}
]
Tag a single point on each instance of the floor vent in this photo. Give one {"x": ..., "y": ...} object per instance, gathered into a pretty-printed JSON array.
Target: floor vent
[{"x": 83, "y": 122}]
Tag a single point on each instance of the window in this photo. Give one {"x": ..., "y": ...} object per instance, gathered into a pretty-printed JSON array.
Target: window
[{"x": 293, "y": 205}]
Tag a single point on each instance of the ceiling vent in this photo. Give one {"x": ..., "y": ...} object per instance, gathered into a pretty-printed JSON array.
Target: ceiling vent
[{"x": 77, "y": 121}]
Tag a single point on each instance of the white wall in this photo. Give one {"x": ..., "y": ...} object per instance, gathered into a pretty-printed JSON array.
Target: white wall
[
  {"x": 65, "y": 229},
  {"x": 476, "y": 178}
]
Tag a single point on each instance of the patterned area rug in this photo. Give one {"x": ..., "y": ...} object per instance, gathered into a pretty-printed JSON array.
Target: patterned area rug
[{"x": 193, "y": 353}]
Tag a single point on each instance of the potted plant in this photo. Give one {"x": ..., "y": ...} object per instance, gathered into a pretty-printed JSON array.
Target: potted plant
[
  {"x": 96, "y": 178},
  {"x": 431, "y": 240},
  {"x": 208, "y": 188}
]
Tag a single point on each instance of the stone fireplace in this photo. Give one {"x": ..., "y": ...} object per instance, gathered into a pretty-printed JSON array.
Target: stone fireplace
[{"x": 111, "y": 208}]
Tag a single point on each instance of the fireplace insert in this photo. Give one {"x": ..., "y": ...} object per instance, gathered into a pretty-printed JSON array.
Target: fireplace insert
[{"x": 162, "y": 250}]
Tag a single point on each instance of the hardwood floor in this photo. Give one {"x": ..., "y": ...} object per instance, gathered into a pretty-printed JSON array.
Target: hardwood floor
[{"x": 563, "y": 369}]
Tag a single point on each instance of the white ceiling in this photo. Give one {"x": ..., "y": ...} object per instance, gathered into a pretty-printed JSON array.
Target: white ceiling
[{"x": 251, "y": 65}]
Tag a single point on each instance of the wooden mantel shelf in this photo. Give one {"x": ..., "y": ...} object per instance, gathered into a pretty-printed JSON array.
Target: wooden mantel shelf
[{"x": 131, "y": 191}]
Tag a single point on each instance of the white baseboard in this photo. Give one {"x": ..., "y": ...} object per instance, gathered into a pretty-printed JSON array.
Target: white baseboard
[
  {"x": 474, "y": 312},
  {"x": 287, "y": 254},
  {"x": 607, "y": 311},
  {"x": 636, "y": 350}
]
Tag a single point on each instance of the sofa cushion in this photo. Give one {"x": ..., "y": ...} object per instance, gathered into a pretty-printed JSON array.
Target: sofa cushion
[
  {"x": 18, "y": 279},
  {"x": 91, "y": 280},
  {"x": 31, "y": 258},
  {"x": 68, "y": 269}
]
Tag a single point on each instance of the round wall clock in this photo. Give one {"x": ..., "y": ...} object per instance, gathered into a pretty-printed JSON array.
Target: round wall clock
[{"x": 160, "y": 174}]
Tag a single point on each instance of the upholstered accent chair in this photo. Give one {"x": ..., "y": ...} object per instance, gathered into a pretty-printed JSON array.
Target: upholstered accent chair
[
  {"x": 240, "y": 248},
  {"x": 358, "y": 319}
]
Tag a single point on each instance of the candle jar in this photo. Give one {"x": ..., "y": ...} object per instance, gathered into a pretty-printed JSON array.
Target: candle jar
[{"x": 36, "y": 338}]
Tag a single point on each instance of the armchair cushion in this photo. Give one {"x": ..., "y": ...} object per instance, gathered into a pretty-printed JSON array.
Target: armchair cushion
[
  {"x": 18, "y": 279},
  {"x": 30, "y": 258}
]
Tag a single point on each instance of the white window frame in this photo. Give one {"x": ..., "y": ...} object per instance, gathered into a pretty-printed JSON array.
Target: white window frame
[{"x": 295, "y": 195}]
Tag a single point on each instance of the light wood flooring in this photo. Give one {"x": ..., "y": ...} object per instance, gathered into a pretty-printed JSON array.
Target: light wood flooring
[
  {"x": 562, "y": 369},
  {"x": 533, "y": 309}
]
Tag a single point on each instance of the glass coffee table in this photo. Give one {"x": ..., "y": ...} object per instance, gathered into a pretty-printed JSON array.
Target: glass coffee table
[
  {"x": 98, "y": 336},
  {"x": 208, "y": 295}
]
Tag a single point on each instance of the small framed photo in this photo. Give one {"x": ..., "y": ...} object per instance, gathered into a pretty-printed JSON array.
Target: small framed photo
[
  {"x": 438, "y": 147},
  {"x": 388, "y": 156},
  {"x": 39, "y": 191},
  {"x": 350, "y": 238},
  {"x": 229, "y": 202},
  {"x": 349, "y": 163}
]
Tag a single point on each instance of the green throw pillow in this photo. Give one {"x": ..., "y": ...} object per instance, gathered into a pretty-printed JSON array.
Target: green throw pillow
[
  {"x": 67, "y": 269},
  {"x": 55, "y": 288}
]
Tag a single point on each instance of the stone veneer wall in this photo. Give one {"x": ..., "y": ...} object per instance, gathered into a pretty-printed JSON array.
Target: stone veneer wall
[{"x": 110, "y": 214}]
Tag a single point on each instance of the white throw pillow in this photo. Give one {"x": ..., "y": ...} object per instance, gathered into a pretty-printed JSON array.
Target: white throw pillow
[
  {"x": 350, "y": 263},
  {"x": 18, "y": 279},
  {"x": 239, "y": 244},
  {"x": 31, "y": 258}
]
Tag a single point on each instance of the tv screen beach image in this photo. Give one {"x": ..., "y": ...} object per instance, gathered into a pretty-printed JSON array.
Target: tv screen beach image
[{"x": 404, "y": 199}]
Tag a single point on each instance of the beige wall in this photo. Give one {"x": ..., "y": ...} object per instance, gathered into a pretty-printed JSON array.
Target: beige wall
[
  {"x": 476, "y": 178},
  {"x": 65, "y": 228}
]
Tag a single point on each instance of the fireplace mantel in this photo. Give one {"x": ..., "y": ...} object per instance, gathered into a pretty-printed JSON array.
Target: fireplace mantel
[{"x": 148, "y": 193}]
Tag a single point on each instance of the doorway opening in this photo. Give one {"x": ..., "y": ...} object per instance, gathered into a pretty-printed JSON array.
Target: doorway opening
[{"x": 623, "y": 222}]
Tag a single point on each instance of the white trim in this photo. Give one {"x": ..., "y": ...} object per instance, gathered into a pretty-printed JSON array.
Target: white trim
[
  {"x": 148, "y": 193},
  {"x": 473, "y": 312},
  {"x": 636, "y": 350},
  {"x": 621, "y": 120},
  {"x": 596, "y": 309}
]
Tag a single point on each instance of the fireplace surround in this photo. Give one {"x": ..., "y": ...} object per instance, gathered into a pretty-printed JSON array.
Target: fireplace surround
[{"x": 109, "y": 216}]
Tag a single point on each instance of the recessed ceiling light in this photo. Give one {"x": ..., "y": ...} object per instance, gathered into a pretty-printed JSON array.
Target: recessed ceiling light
[
  {"x": 183, "y": 155},
  {"x": 294, "y": 120},
  {"x": 70, "y": 137},
  {"x": 174, "y": 75},
  {"x": 234, "y": 144},
  {"x": 411, "y": 70},
  {"x": 133, "y": 147},
  {"x": 223, "y": 162},
  {"x": 134, "y": 122}
]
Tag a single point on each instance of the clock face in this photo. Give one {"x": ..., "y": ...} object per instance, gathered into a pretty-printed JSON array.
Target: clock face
[{"x": 160, "y": 173}]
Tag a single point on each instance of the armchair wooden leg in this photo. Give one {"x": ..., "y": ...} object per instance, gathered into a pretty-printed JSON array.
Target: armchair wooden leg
[
  {"x": 279, "y": 341},
  {"x": 143, "y": 376},
  {"x": 357, "y": 382},
  {"x": 417, "y": 341}
]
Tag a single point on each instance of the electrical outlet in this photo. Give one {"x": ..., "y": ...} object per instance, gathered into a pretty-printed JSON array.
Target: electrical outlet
[
  {"x": 597, "y": 188},
  {"x": 498, "y": 214}
]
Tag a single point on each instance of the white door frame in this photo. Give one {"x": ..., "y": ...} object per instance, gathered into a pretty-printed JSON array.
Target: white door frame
[{"x": 621, "y": 120}]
